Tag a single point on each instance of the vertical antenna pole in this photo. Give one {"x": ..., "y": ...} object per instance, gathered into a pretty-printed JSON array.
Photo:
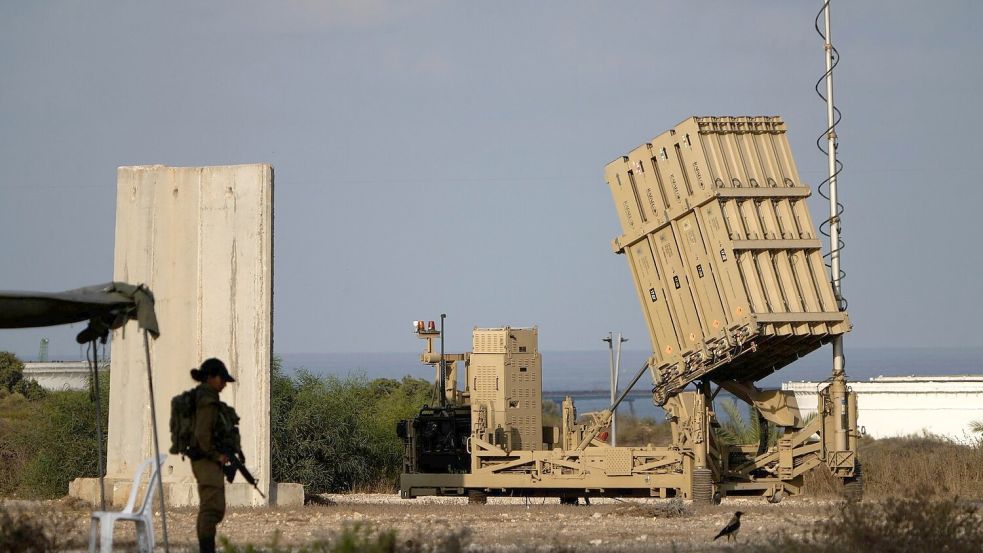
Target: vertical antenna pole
[
  {"x": 838, "y": 386},
  {"x": 443, "y": 374},
  {"x": 617, "y": 378},
  {"x": 613, "y": 381}
]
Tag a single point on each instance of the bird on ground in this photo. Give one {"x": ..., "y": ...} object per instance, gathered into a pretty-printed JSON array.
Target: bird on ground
[{"x": 732, "y": 527}]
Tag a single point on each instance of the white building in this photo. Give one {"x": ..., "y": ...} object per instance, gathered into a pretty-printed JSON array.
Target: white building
[
  {"x": 62, "y": 375},
  {"x": 891, "y": 406}
]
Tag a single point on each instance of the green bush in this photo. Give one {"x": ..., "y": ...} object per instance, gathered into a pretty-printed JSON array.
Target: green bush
[
  {"x": 30, "y": 389},
  {"x": 339, "y": 434},
  {"x": 330, "y": 434},
  {"x": 45, "y": 444},
  {"x": 11, "y": 370}
]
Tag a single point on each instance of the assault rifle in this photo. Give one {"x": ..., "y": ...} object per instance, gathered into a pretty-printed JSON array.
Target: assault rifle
[{"x": 237, "y": 463}]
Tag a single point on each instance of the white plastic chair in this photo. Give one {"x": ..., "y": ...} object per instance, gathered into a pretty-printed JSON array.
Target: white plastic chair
[{"x": 143, "y": 518}]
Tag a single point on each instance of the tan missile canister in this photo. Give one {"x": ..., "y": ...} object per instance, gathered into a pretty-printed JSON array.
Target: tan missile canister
[{"x": 726, "y": 260}]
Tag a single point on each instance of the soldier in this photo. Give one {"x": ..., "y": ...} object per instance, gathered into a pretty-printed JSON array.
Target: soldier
[{"x": 207, "y": 462}]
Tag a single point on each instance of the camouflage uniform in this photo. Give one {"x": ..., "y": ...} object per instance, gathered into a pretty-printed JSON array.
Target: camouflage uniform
[{"x": 207, "y": 468}]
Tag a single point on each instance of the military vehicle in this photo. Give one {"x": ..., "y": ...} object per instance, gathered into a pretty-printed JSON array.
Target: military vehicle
[{"x": 729, "y": 272}]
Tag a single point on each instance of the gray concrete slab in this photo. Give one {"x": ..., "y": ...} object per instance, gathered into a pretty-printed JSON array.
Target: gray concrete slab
[{"x": 202, "y": 239}]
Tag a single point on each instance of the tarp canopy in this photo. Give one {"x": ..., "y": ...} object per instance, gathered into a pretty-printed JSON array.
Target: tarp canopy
[{"x": 106, "y": 307}]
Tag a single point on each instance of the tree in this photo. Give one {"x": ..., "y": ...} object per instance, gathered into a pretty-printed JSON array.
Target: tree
[
  {"x": 11, "y": 370},
  {"x": 741, "y": 430}
]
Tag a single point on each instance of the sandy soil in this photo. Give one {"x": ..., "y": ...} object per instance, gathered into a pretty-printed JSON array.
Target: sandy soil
[{"x": 502, "y": 525}]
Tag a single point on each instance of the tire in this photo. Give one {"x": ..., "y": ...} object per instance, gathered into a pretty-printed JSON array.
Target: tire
[
  {"x": 477, "y": 497},
  {"x": 702, "y": 486},
  {"x": 569, "y": 500},
  {"x": 853, "y": 487}
]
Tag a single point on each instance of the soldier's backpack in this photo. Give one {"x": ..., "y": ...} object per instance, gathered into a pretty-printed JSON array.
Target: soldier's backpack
[
  {"x": 183, "y": 409},
  {"x": 226, "y": 437}
]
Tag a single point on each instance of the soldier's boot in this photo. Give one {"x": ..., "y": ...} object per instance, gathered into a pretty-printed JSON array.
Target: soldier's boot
[{"x": 207, "y": 545}]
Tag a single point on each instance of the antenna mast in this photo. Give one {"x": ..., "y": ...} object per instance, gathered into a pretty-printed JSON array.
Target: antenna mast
[{"x": 838, "y": 386}]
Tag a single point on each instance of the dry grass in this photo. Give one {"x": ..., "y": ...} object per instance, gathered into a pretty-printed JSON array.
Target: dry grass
[
  {"x": 903, "y": 466},
  {"x": 914, "y": 523},
  {"x": 360, "y": 538},
  {"x": 26, "y": 529},
  {"x": 895, "y": 466},
  {"x": 671, "y": 509}
]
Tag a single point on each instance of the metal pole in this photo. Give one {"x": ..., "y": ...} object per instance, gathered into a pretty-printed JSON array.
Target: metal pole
[
  {"x": 617, "y": 373},
  {"x": 613, "y": 383},
  {"x": 157, "y": 462},
  {"x": 95, "y": 384},
  {"x": 838, "y": 386},
  {"x": 443, "y": 376}
]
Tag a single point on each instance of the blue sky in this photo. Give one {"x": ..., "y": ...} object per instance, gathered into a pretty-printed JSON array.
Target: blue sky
[{"x": 447, "y": 157}]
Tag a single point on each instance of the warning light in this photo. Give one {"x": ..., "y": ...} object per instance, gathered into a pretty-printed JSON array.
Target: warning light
[{"x": 432, "y": 326}]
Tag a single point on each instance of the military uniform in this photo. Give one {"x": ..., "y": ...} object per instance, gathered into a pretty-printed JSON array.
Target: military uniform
[{"x": 207, "y": 466}]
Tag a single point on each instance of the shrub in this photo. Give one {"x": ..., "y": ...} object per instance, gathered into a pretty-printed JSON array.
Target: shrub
[
  {"x": 11, "y": 370},
  {"x": 30, "y": 389},
  {"x": 45, "y": 444},
  {"x": 339, "y": 434}
]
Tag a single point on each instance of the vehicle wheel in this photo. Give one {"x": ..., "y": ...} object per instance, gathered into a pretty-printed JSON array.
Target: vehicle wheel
[
  {"x": 716, "y": 498},
  {"x": 477, "y": 497},
  {"x": 568, "y": 500},
  {"x": 776, "y": 497},
  {"x": 853, "y": 487}
]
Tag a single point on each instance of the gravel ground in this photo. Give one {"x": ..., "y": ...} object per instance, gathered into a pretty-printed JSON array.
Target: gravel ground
[{"x": 504, "y": 524}]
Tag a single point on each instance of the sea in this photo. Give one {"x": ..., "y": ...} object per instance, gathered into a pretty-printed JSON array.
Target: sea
[{"x": 585, "y": 375}]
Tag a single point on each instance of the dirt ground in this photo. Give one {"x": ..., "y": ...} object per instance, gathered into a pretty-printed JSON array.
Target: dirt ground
[{"x": 504, "y": 524}]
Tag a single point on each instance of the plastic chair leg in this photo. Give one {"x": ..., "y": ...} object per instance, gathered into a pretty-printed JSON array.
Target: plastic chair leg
[
  {"x": 145, "y": 535},
  {"x": 106, "y": 536},
  {"x": 149, "y": 533},
  {"x": 94, "y": 524}
]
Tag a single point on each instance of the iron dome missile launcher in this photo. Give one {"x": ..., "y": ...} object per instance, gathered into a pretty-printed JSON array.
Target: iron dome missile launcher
[{"x": 729, "y": 272}]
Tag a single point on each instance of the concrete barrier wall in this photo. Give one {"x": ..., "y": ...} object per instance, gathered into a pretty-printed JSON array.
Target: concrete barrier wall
[
  {"x": 202, "y": 239},
  {"x": 61, "y": 375},
  {"x": 908, "y": 405}
]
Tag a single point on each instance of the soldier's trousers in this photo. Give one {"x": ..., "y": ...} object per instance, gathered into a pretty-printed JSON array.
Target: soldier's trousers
[{"x": 211, "y": 495}]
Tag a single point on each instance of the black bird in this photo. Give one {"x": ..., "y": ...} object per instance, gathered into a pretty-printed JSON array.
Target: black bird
[{"x": 732, "y": 527}]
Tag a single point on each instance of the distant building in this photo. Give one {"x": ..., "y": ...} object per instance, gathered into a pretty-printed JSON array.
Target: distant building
[
  {"x": 61, "y": 375},
  {"x": 890, "y": 406}
]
